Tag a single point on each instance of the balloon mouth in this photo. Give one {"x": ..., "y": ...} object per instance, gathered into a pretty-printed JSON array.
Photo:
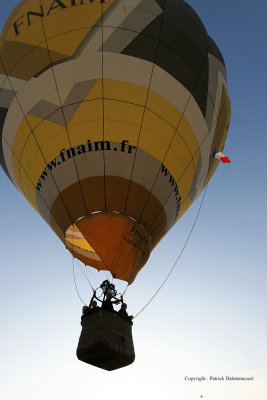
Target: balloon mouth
[
  {"x": 79, "y": 246},
  {"x": 76, "y": 242},
  {"x": 110, "y": 241}
]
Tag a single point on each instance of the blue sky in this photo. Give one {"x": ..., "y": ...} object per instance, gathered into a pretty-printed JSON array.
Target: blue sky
[{"x": 209, "y": 319}]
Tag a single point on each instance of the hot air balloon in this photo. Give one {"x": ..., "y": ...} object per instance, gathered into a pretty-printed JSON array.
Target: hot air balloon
[{"x": 110, "y": 113}]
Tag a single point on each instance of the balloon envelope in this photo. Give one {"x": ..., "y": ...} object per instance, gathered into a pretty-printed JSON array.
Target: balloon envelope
[{"x": 110, "y": 113}]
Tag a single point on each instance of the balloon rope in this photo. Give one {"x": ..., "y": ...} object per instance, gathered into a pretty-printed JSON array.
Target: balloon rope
[
  {"x": 125, "y": 289},
  {"x": 88, "y": 280},
  {"x": 75, "y": 283},
  {"x": 179, "y": 256}
]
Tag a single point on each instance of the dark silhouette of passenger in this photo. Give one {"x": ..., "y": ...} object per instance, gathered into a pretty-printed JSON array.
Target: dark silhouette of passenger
[
  {"x": 84, "y": 309},
  {"x": 93, "y": 307},
  {"x": 123, "y": 313},
  {"x": 107, "y": 304}
]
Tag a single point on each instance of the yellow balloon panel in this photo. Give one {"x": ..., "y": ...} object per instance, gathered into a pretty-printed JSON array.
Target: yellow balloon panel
[
  {"x": 124, "y": 92},
  {"x": 164, "y": 109},
  {"x": 156, "y": 135}
]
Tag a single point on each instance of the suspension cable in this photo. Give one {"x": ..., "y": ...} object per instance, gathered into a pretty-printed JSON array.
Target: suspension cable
[
  {"x": 84, "y": 274},
  {"x": 125, "y": 289},
  {"x": 75, "y": 283},
  {"x": 179, "y": 256}
]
